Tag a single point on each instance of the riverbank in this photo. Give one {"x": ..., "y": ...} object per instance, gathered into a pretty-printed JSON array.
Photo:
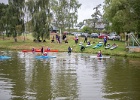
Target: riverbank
[{"x": 28, "y": 44}]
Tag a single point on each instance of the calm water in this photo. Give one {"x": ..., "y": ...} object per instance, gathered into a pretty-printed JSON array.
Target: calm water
[{"x": 68, "y": 77}]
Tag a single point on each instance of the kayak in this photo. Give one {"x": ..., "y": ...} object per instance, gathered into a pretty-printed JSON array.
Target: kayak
[
  {"x": 107, "y": 47},
  {"x": 100, "y": 57},
  {"x": 113, "y": 47},
  {"x": 97, "y": 46},
  {"x": 4, "y": 57},
  {"x": 38, "y": 50},
  {"x": 88, "y": 45},
  {"x": 45, "y": 57}
]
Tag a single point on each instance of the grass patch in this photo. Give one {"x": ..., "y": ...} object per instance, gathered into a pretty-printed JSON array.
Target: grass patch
[{"x": 28, "y": 44}]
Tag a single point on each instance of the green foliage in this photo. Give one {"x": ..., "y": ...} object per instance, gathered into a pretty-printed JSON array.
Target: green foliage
[
  {"x": 123, "y": 15},
  {"x": 12, "y": 19},
  {"x": 96, "y": 15},
  {"x": 40, "y": 18},
  {"x": 65, "y": 12},
  {"x": 29, "y": 44},
  {"x": 86, "y": 29},
  {"x": 3, "y": 9},
  {"x": 43, "y": 14}
]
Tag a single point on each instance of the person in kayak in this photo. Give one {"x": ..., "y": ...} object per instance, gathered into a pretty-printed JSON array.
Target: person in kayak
[
  {"x": 45, "y": 54},
  {"x": 33, "y": 50},
  {"x": 99, "y": 53},
  {"x": 48, "y": 49}
]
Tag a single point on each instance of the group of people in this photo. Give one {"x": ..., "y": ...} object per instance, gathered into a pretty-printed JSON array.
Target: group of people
[
  {"x": 99, "y": 54},
  {"x": 64, "y": 38},
  {"x": 69, "y": 48},
  {"x": 45, "y": 53},
  {"x": 42, "y": 51}
]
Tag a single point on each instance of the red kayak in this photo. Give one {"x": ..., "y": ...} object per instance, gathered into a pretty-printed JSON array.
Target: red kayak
[{"x": 38, "y": 50}]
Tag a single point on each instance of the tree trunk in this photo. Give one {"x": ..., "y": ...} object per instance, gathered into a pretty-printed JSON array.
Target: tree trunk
[{"x": 15, "y": 39}]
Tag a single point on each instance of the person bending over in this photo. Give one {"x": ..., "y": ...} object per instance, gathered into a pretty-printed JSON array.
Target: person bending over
[{"x": 82, "y": 48}]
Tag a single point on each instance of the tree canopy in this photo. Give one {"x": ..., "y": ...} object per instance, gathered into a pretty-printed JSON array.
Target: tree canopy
[
  {"x": 122, "y": 15},
  {"x": 42, "y": 15}
]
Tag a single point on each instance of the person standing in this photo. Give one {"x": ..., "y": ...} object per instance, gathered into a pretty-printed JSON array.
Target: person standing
[
  {"x": 105, "y": 40},
  {"x": 85, "y": 39},
  {"x": 42, "y": 50},
  {"x": 52, "y": 41},
  {"x": 76, "y": 38}
]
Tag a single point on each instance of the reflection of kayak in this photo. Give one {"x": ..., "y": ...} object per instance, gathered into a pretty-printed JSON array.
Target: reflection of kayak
[
  {"x": 4, "y": 57},
  {"x": 100, "y": 57},
  {"x": 51, "y": 50},
  {"x": 26, "y": 50},
  {"x": 38, "y": 50},
  {"x": 45, "y": 57}
]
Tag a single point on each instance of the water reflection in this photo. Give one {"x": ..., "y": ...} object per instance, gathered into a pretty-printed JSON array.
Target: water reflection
[
  {"x": 122, "y": 80},
  {"x": 68, "y": 77}
]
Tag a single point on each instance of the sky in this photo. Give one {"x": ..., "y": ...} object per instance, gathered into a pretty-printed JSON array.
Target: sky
[{"x": 86, "y": 9}]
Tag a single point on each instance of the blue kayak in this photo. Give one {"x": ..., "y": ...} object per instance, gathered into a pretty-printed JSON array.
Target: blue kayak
[
  {"x": 97, "y": 46},
  {"x": 45, "y": 57},
  {"x": 4, "y": 57}
]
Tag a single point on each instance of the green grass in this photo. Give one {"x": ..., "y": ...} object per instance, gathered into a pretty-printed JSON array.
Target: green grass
[{"x": 28, "y": 44}]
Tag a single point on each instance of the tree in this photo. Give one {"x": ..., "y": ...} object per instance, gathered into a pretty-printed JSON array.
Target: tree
[
  {"x": 96, "y": 15},
  {"x": 3, "y": 9},
  {"x": 86, "y": 29},
  {"x": 40, "y": 17},
  {"x": 65, "y": 13},
  {"x": 80, "y": 24},
  {"x": 135, "y": 8},
  {"x": 15, "y": 18},
  {"x": 123, "y": 15}
]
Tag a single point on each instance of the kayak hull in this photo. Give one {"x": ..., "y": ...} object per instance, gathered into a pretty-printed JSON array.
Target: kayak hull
[{"x": 97, "y": 46}]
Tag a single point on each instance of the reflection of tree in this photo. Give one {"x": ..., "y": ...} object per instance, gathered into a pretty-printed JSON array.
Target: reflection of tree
[
  {"x": 41, "y": 81},
  {"x": 69, "y": 78},
  {"x": 28, "y": 80},
  {"x": 15, "y": 72},
  {"x": 64, "y": 79},
  {"x": 121, "y": 81}
]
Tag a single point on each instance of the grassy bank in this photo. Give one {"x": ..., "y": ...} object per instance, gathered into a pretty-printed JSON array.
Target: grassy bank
[{"x": 28, "y": 44}]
